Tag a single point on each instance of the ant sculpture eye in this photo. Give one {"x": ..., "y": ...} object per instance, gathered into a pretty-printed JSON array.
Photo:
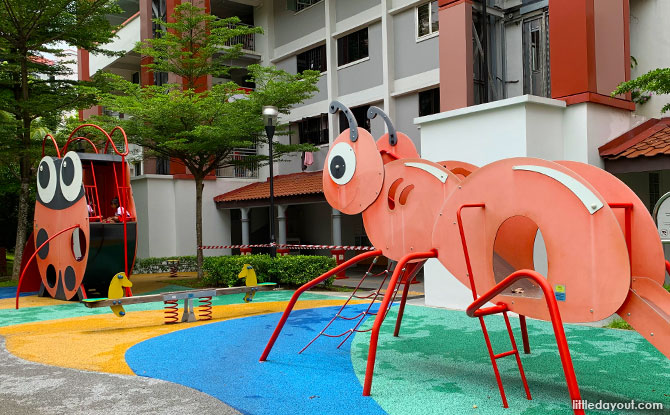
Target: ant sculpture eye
[
  {"x": 71, "y": 176},
  {"x": 46, "y": 179},
  {"x": 342, "y": 163}
]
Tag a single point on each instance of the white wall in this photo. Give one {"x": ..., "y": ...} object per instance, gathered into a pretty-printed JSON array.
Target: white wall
[
  {"x": 125, "y": 41},
  {"x": 166, "y": 215}
]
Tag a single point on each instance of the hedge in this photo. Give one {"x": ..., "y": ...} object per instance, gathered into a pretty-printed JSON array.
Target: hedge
[
  {"x": 287, "y": 270},
  {"x": 155, "y": 265}
]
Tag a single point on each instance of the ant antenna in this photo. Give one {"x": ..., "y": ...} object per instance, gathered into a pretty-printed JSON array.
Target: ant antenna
[
  {"x": 353, "y": 125},
  {"x": 373, "y": 112}
]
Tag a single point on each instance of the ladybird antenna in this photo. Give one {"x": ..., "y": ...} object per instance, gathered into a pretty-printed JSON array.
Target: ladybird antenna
[
  {"x": 353, "y": 125},
  {"x": 373, "y": 112}
]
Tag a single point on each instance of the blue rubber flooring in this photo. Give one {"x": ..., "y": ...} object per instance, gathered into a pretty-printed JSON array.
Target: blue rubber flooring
[
  {"x": 10, "y": 292},
  {"x": 221, "y": 359}
]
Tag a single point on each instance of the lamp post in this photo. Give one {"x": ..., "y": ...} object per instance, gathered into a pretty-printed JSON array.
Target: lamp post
[{"x": 270, "y": 114}]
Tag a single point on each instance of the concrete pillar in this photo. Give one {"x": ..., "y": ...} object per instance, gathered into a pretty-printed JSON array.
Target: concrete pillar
[
  {"x": 331, "y": 66},
  {"x": 281, "y": 219},
  {"x": 456, "y": 59},
  {"x": 245, "y": 225},
  {"x": 589, "y": 50},
  {"x": 337, "y": 227}
]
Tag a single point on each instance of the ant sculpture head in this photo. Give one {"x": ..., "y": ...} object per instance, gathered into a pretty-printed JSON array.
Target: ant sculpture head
[
  {"x": 393, "y": 145},
  {"x": 354, "y": 171}
]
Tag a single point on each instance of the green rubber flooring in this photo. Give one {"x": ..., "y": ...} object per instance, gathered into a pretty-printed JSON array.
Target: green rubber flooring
[{"x": 439, "y": 365}]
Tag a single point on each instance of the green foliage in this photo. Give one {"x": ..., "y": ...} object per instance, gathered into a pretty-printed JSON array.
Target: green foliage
[
  {"x": 191, "y": 45},
  {"x": 619, "y": 324},
  {"x": 656, "y": 81},
  {"x": 201, "y": 128},
  {"x": 290, "y": 270},
  {"x": 298, "y": 269},
  {"x": 35, "y": 88},
  {"x": 223, "y": 270},
  {"x": 160, "y": 264}
]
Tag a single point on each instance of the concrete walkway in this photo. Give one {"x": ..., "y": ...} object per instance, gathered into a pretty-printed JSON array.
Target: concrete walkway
[{"x": 28, "y": 388}]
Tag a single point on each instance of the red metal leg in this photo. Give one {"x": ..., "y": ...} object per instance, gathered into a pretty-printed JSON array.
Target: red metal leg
[
  {"x": 412, "y": 269},
  {"x": 306, "y": 287},
  {"x": 556, "y": 322},
  {"x": 367, "y": 385},
  {"x": 401, "y": 310},
  {"x": 524, "y": 334}
]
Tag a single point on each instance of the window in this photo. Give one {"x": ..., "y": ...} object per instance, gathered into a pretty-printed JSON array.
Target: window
[
  {"x": 361, "y": 115},
  {"x": 137, "y": 168},
  {"x": 158, "y": 11},
  {"x": 352, "y": 47},
  {"x": 313, "y": 130},
  {"x": 135, "y": 78},
  {"x": 427, "y": 21},
  {"x": 162, "y": 165},
  {"x": 429, "y": 102},
  {"x": 535, "y": 36},
  {"x": 297, "y": 5},
  {"x": 313, "y": 59}
]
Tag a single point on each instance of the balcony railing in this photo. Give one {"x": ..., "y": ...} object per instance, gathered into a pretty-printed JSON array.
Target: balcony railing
[
  {"x": 248, "y": 41},
  {"x": 239, "y": 169}
]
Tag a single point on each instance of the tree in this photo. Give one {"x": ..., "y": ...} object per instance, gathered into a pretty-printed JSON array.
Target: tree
[
  {"x": 33, "y": 87},
  {"x": 656, "y": 81},
  {"x": 201, "y": 128}
]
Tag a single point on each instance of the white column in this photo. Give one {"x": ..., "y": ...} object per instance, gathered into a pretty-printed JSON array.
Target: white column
[
  {"x": 331, "y": 66},
  {"x": 281, "y": 219},
  {"x": 245, "y": 225},
  {"x": 388, "y": 63},
  {"x": 337, "y": 227}
]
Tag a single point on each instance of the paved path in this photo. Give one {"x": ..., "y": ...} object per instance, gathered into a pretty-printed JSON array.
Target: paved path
[{"x": 28, "y": 388}]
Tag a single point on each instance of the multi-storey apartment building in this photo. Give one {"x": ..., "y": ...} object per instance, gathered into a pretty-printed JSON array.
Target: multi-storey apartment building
[{"x": 543, "y": 70}]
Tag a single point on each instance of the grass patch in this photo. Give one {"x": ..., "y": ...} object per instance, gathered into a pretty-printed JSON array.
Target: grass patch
[
  {"x": 667, "y": 287},
  {"x": 620, "y": 324},
  {"x": 337, "y": 289},
  {"x": 8, "y": 283}
]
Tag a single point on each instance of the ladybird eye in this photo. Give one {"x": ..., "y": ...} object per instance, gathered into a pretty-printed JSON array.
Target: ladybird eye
[
  {"x": 46, "y": 180},
  {"x": 342, "y": 163},
  {"x": 70, "y": 176}
]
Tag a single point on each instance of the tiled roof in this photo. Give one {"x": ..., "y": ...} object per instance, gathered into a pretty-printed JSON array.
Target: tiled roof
[
  {"x": 284, "y": 185},
  {"x": 648, "y": 139}
]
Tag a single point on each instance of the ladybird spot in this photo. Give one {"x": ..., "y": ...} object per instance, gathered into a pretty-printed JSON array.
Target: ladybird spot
[
  {"x": 70, "y": 278},
  {"x": 51, "y": 276},
  {"x": 41, "y": 238}
]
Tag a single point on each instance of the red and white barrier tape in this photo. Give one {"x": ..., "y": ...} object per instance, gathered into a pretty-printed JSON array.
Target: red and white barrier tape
[{"x": 332, "y": 247}]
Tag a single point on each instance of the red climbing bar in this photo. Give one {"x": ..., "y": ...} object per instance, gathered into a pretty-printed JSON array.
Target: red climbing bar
[
  {"x": 380, "y": 316},
  {"x": 499, "y": 355},
  {"x": 306, "y": 287},
  {"x": 491, "y": 310},
  {"x": 556, "y": 322}
]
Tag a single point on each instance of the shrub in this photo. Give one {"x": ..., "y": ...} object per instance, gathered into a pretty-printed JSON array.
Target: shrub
[
  {"x": 287, "y": 270},
  {"x": 223, "y": 270},
  {"x": 299, "y": 269},
  {"x": 159, "y": 264}
]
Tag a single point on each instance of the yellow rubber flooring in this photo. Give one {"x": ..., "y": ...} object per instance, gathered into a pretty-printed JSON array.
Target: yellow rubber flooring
[{"x": 99, "y": 343}]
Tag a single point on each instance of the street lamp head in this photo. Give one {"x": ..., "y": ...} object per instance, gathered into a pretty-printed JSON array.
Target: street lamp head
[{"x": 270, "y": 114}]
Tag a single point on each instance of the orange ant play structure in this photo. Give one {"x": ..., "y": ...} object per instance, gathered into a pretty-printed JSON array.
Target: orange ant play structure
[
  {"x": 603, "y": 251},
  {"x": 78, "y": 252}
]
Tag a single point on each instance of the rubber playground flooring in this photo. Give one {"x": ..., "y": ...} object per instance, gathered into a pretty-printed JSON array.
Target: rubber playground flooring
[{"x": 438, "y": 365}]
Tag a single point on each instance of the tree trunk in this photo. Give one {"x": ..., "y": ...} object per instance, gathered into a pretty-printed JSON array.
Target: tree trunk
[
  {"x": 26, "y": 173},
  {"x": 199, "y": 185},
  {"x": 22, "y": 218}
]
